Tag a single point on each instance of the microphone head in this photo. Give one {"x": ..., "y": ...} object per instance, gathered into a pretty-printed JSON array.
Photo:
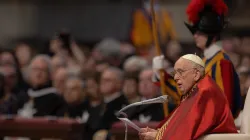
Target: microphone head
[
  {"x": 164, "y": 98},
  {"x": 161, "y": 99}
]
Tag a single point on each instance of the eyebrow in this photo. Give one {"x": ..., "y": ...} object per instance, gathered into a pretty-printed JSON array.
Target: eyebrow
[{"x": 178, "y": 69}]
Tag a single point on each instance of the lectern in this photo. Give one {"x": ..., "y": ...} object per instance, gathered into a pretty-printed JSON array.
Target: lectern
[{"x": 41, "y": 127}]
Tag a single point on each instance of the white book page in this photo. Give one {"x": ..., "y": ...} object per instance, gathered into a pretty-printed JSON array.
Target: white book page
[{"x": 130, "y": 123}]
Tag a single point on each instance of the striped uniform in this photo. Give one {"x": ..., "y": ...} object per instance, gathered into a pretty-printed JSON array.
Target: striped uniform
[{"x": 221, "y": 69}]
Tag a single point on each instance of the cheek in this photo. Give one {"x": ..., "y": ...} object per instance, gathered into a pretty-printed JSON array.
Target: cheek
[
  {"x": 188, "y": 82},
  {"x": 203, "y": 40},
  {"x": 141, "y": 86},
  {"x": 106, "y": 86},
  {"x": 133, "y": 88},
  {"x": 33, "y": 75},
  {"x": 44, "y": 76},
  {"x": 75, "y": 94}
]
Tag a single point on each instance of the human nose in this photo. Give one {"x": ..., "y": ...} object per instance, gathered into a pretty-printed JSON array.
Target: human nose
[
  {"x": 176, "y": 77},
  {"x": 195, "y": 35}
]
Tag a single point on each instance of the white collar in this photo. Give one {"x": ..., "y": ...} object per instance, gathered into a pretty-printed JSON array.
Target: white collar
[
  {"x": 211, "y": 51},
  {"x": 112, "y": 97},
  {"x": 41, "y": 92}
]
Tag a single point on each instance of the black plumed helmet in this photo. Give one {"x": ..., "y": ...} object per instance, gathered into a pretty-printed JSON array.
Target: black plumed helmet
[{"x": 206, "y": 16}]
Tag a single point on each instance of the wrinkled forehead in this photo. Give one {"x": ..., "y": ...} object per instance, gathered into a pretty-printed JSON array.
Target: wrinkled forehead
[{"x": 183, "y": 64}]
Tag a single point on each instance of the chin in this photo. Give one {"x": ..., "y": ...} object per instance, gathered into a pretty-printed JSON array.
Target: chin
[
  {"x": 182, "y": 91},
  {"x": 199, "y": 46}
]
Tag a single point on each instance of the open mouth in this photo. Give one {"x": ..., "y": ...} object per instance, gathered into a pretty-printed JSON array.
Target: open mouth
[{"x": 179, "y": 85}]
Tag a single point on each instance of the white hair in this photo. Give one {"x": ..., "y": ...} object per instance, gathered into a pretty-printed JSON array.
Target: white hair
[
  {"x": 136, "y": 62},
  {"x": 45, "y": 58},
  {"x": 109, "y": 46},
  {"x": 200, "y": 68}
]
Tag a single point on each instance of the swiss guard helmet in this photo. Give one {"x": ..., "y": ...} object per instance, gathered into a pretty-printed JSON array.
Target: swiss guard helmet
[{"x": 208, "y": 17}]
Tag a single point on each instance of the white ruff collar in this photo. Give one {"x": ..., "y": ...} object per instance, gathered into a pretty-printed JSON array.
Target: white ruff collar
[
  {"x": 211, "y": 51},
  {"x": 41, "y": 92}
]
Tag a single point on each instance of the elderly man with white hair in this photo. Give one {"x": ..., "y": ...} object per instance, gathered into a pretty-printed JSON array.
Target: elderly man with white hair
[
  {"x": 41, "y": 99},
  {"x": 135, "y": 63},
  {"x": 203, "y": 110}
]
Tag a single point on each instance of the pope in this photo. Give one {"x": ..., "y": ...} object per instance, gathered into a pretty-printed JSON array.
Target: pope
[
  {"x": 204, "y": 108},
  {"x": 207, "y": 21}
]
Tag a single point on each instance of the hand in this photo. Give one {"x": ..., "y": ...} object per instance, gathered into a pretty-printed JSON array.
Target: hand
[
  {"x": 147, "y": 134},
  {"x": 158, "y": 62}
]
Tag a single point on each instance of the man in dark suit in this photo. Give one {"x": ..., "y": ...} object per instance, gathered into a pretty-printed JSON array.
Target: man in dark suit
[
  {"x": 41, "y": 99},
  {"x": 114, "y": 100},
  {"x": 147, "y": 89}
]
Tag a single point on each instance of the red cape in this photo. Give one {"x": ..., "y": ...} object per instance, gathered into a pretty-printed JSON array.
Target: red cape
[{"x": 204, "y": 112}]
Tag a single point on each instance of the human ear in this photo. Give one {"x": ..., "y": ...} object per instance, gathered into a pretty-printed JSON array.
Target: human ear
[{"x": 197, "y": 76}]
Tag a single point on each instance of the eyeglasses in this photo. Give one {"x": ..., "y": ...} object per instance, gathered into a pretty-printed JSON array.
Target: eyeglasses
[{"x": 179, "y": 72}]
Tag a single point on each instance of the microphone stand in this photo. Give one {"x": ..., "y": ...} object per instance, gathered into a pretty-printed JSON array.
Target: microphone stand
[
  {"x": 126, "y": 125},
  {"x": 126, "y": 107},
  {"x": 160, "y": 99}
]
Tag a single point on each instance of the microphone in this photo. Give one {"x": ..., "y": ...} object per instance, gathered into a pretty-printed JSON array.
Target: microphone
[{"x": 160, "y": 99}]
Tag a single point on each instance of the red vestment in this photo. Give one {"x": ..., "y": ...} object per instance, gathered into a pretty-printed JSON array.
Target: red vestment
[{"x": 203, "y": 112}]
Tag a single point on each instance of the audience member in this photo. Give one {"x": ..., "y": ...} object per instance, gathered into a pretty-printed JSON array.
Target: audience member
[
  {"x": 8, "y": 102},
  {"x": 11, "y": 80},
  {"x": 74, "y": 95},
  {"x": 41, "y": 99},
  {"x": 59, "y": 80},
  {"x": 58, "y": 61},
  {"x": 108, "y": 50},
  {"x": 93, "y": 103},
  {"x": 8, "y": 58},
  {"x": 110, "y": 88},
  {"x": 24, "y": 54},
  {"x": 130, "y": 87},
  {"x": 134, "y": 64},
  {"x": 147, "y": 90}
]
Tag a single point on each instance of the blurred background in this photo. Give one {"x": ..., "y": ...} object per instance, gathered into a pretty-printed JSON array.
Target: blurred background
[{"x": 86, "y": 59}]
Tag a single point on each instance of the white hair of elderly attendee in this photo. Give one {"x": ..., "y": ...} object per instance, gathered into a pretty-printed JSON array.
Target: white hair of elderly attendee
[
  {"x": 109, "y": 46},
  {"x": 135, "y": 63},
  {"x": 45, "y": 58}
]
